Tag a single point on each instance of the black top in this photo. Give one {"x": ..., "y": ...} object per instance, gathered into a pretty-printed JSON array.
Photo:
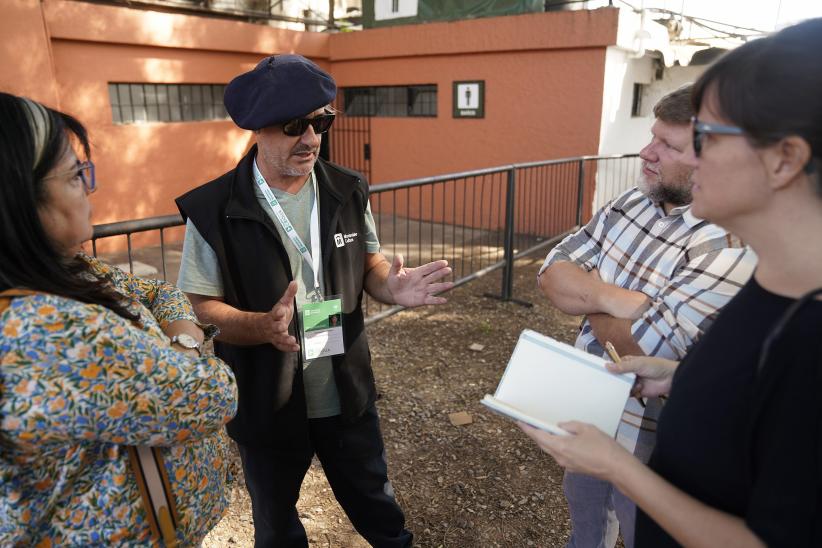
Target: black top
[{"x": 744, "y": 443}]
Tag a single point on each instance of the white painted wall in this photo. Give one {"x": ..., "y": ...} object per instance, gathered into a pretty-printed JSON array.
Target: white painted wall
[
  {"x": 620, "y": 133},
  {"x": 631, "y": 62}
]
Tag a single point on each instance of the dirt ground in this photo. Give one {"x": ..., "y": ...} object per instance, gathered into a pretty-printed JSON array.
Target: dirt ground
[{"x": 483, "y": 484}]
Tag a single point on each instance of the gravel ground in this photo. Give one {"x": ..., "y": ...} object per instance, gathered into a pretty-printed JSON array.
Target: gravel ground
[{"x": 482, "y": 484}]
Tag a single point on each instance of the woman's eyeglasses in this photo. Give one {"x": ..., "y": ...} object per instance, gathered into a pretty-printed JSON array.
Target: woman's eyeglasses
[
  {"x": 84, "y": 170},
  {"x": 704, "y": 128},
  {"x": 298, "y": 126}
]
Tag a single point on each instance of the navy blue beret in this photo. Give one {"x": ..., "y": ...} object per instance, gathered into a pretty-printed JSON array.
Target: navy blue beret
[{"x": 279, "y": 89}]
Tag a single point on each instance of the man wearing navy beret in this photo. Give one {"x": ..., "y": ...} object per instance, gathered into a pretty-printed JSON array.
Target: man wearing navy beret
[{"x": 273, "y": 250}]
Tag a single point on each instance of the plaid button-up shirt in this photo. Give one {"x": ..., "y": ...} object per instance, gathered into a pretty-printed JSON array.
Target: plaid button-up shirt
[{"x": 689, "y": 269}]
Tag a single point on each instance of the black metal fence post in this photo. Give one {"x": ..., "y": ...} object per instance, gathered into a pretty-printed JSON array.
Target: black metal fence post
[
  {"x": 507, "y": 291},
  {"x": 580, "y": 190},
  {"x": 508, "y": 245}
]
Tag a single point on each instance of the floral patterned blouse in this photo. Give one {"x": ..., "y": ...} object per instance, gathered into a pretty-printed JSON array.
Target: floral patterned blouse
[{"x": 77, "y": 384}]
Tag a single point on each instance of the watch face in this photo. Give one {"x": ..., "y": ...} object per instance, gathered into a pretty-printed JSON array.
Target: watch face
[{"x": 185, "y": 340}]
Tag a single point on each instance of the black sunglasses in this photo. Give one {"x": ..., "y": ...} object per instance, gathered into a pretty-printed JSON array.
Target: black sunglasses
[
  {"x": 704, "y": 128},
  {"x": 298, "y": 126}
]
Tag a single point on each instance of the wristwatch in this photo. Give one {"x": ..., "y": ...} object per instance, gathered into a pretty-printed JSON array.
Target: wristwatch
[{"x": 187, "y": 341}]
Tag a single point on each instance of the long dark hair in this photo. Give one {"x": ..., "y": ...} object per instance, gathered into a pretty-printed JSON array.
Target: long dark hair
[
  {"x": 28, "y": 257},
  {"x": 772, "y": 88}
]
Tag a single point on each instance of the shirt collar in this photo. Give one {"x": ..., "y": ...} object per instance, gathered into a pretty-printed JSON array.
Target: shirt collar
[
  {"x": 689, "y": 218},
  {"x": 684, "y": 211}
]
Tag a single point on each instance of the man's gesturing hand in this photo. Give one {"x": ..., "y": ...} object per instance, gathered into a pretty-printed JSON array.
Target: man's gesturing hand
[
  {"x": 415, "y": 286},
  {"x": 274, "y": 323}
]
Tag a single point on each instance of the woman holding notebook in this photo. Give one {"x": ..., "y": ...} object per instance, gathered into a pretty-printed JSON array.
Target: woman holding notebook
[{"x": 738, "y": 461}]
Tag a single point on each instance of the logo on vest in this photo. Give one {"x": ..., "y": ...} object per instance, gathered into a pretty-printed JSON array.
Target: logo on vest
[{"x": 338, "y": 239}]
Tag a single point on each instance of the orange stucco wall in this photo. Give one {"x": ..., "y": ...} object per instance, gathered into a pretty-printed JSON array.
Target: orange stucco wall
[
  {"x": 25, "y": 52},
  {"x": 543, "y": 78},
  {"x": 538, "y": 105},
  {"x": 543, "y": 82}
]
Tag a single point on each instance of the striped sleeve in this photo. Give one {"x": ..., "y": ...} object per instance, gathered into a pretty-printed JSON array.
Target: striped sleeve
[
  {"x": 684, "y": 308},
  {"x": 583, "y": 247}
]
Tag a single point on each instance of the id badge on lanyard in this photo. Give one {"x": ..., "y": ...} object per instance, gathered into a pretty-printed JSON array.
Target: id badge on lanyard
[{"x": 321, "y": 331}]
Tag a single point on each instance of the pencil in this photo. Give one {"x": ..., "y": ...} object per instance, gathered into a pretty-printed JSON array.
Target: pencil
[
  {"x": 614, "y": 356},
  {"x": 612, "y": 352}
]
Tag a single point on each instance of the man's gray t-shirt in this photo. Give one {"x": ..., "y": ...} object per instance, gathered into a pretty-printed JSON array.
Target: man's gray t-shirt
[{"x": 200, "y": 274}]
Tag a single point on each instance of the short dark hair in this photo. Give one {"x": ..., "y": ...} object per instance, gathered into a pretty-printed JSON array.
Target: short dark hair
[
  {"x": 28, "y": 257},
  {"x": 676, "y": 107},
  {"x": 772, "y": 88}
]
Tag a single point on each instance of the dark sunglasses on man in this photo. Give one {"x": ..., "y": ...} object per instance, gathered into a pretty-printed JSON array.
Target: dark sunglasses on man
[{"x": 298, "y": 126}]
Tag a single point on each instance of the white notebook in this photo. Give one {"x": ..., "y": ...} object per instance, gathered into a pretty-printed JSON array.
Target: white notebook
[{"x": 548, "y": 382}]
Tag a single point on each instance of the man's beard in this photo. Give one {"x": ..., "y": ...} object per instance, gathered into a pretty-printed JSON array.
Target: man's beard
[
  {"x": 281, "y": 166},
  {"x": 287, "y": 171},
  {"x": 663, "y": 192}
]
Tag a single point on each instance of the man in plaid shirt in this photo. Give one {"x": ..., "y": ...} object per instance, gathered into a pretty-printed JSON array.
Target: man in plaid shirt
[{"x": 650, "y": 278}]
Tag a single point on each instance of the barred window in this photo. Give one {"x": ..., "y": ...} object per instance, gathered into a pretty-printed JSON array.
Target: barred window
[
  {"x": 136, "y": 103},
  {"x": 420, "y": 100}
]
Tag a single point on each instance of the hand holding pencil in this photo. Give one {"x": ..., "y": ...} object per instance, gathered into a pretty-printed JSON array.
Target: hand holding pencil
[
  {"x": 614, "y": 356},
  {"x": 653, "y": 375}
]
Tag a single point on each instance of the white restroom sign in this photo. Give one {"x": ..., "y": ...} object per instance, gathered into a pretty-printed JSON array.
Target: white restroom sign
[
  {"x": 469, "y": 99},
  {"x": 394, "y": 9},
  {"x": 468, "y": 96}
]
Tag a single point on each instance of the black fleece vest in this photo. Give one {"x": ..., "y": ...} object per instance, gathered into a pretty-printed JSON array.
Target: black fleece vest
[{"x": 256, "y": 271}]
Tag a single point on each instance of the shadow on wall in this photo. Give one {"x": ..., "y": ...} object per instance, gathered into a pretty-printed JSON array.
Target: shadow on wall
[
  {"x": 143, "y": 168},
  {"x": 24, "y": 53}
]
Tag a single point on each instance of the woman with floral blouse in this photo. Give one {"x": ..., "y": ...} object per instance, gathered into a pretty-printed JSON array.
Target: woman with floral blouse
[{"x": 88, "y": 367}]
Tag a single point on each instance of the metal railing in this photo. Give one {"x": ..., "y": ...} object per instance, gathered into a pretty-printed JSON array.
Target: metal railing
[
  {"x": 480, "y": 220},
  {"x": 128, "y": 228}
]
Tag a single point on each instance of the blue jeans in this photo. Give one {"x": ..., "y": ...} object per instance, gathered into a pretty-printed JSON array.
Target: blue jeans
[{"x": 598, "y": 512}]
